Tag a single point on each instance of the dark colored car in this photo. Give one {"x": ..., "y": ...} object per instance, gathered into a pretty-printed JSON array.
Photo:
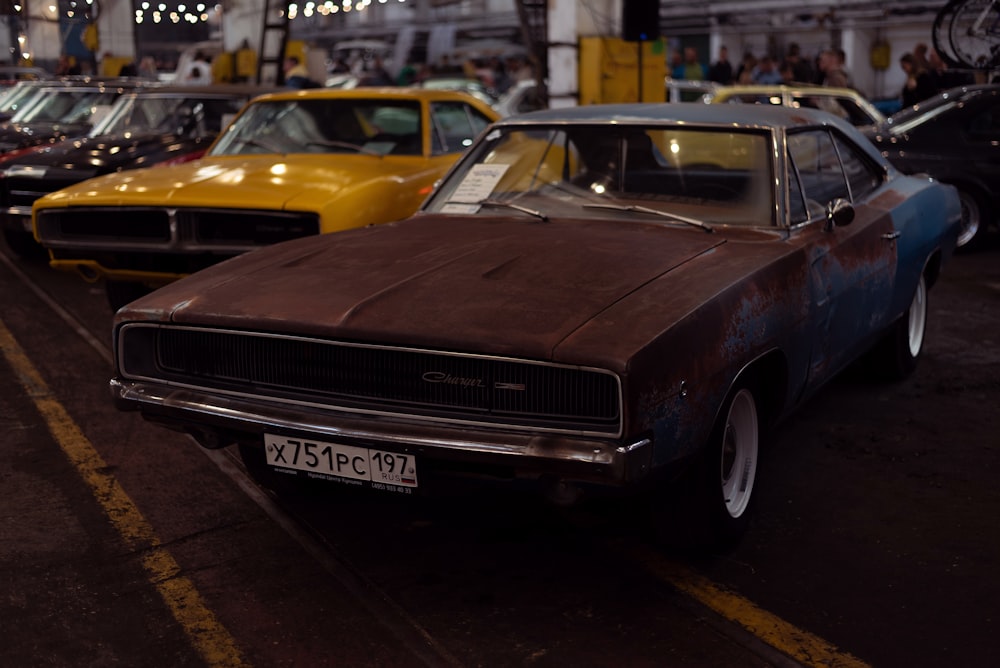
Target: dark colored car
[
  {"x": 62, "y": 110},
  {"x": 148, "y": 126},
  {"x": 954, "y": 137},
  {"x": 10, "y": 75},
  {"x": 618, "y": 298},
  {"x": 17, "y": 96}
]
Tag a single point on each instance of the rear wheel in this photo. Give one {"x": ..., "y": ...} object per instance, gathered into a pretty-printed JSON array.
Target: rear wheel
[
  {"x": 974, "y": 220},
  {"x": 898, "y": 353}
]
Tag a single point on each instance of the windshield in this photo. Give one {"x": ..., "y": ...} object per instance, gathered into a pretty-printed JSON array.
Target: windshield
[
  {"x": 19, "y": 96},
  {"x": 68, "y": 105},
  {"x": 681, "y": 173},
  {"x": 326, "y": 125},
  {"x": 185, "y": 115}
]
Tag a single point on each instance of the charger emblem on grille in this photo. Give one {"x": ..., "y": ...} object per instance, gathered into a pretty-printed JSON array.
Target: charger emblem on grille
[{"x": 448, "y": 379}]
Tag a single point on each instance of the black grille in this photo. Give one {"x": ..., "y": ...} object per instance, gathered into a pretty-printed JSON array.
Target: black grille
[
  {"x": 234, "y": 227},
  {"x": 428, "y": 383},
  {"x": 183, "y": 230},
  {"x": 89, "y": 224},
  {"x": 151, "y": 226}
]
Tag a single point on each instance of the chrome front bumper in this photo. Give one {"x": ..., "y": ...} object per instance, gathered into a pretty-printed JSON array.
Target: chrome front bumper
[{"x": 217, "y": 421}]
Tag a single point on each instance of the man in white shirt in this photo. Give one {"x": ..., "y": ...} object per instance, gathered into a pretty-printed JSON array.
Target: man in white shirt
[{"x": 197, "y": 73}]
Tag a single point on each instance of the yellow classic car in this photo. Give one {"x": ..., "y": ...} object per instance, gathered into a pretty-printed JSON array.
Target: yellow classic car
[
  {"x": 290, "y": 164},
  {"x": 847, "y": 103}
]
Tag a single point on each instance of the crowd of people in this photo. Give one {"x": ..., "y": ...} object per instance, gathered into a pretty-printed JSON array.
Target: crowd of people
[
  {"x": 497, "y": 74},
  {"x": 926, "y": 73},
  {"x": 828, "y": 68}
]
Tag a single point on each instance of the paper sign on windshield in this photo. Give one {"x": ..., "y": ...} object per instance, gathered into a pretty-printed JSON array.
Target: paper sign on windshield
[{"x": 477, "y": 185}]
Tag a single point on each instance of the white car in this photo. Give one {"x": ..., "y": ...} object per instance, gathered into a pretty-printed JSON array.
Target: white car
[{"x": 520, "y": 98}]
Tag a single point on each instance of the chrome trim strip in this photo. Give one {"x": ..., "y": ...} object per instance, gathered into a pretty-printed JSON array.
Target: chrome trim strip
[{"x": 111, "y": 245}]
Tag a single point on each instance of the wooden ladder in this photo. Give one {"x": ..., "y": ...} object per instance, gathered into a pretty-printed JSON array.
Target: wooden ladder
[{"x": 273, "y": 42}]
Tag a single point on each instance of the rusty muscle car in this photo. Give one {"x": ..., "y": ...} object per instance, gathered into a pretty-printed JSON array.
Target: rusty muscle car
[{"x": 606, "y": 298}]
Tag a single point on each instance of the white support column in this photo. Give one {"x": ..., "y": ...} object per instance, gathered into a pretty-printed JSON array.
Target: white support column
[
  {"x": 563, "y": 54},
  {"x": 42, "y": 40},
  {"x": 116, "y": 28},
  {"x": 857, "y": 47},
  {"x": 243, "y": 21}
]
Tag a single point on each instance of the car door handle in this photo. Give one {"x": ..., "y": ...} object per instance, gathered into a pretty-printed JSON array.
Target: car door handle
[{"x": 890, "y": 236}]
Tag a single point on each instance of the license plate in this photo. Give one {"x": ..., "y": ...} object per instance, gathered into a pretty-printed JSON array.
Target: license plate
[{"x": 346, "y": 463}]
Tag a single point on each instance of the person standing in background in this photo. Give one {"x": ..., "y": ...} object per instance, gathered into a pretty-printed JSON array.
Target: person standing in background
[
  {"x": 676, "y": 64},
  {"x": 198, "y": 71},
  {"x": 945, "y": 78},
  {"x": 831, "y": 65},
  {"x": 721, "y": 71},
  {"x": 693, "y": 70},
  {"x": 296, "y": 74},
  {"x": 67, "y": 66},
  {"x": 919, "y": 83},
  {"x": 744, "y": 75},
  {"x": 801, "y": 70},
  {"x": 147, "y": 68},
  {"x": 766, "y": 73}
]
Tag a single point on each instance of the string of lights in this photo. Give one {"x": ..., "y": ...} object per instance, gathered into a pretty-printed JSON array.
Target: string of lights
[
  {"x": 181, "y": 11},
  {"x": 329, "y": 7},
  {"x": 158, "y": 12},
  {"x": 177, "y": 12}
]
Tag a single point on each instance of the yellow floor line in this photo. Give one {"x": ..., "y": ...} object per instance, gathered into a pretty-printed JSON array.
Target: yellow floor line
[
  {"x": 208, "y": 636},
  {"x": 793, "y": 642}
]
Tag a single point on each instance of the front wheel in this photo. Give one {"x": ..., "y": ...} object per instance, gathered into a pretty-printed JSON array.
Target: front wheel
[
  {"x": 736, "y": 457},
  {"x": 709, "y": 510}
]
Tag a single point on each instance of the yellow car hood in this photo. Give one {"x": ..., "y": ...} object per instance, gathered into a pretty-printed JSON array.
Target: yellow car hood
[{"x": 246, "y": 182}]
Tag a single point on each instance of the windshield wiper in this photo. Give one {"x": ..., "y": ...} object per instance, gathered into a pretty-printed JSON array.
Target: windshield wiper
[
  {"x": 507, "y": 205},
  {"x": 260, "y": 143},
  {"x": 655, "y": 212},
  {"x": 334, "y": 143}
]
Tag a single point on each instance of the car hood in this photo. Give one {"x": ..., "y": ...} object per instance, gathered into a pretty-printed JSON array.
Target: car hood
[
  {"x": 497, "y": 286},
  {"x": 236, "y": 182},
  {"x": 100, "y": 155},
  {"x": 26, "y": 134}
]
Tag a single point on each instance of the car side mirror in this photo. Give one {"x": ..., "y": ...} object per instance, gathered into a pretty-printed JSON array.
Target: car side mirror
[{"x": 839, "y": 212}]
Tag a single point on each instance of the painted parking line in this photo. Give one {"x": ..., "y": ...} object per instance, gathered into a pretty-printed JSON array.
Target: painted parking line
[
  {"x": 793, "y": 642},
  {"x": 208, "y": 637}
]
